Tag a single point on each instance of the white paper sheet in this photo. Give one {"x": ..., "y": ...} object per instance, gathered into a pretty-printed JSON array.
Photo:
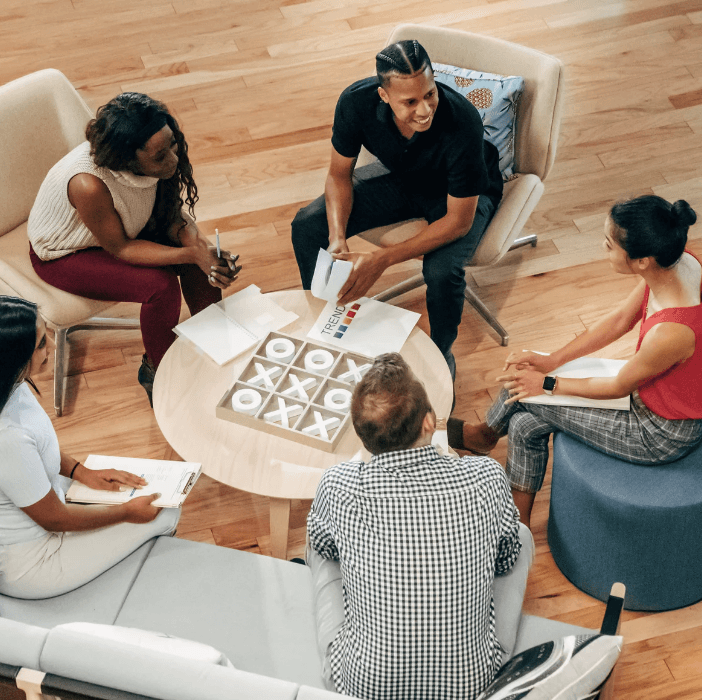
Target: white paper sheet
[
  {"x": 366, "y": 326},
  {"x": 582, "y": 368},
  {"x": 173, "y": 480},
  {"x": 329, "y": 276},
  {"x": 235, "y": 324}
]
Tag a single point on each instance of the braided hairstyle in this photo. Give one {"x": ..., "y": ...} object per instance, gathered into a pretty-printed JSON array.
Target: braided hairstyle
[
  {"x": 122, "y": 127},
  {"x": 404, "y": 58},
  {"x": 651, "y": 226}
]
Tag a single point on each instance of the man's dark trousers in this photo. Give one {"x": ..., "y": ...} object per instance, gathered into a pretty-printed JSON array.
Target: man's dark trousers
[{"x": 380, "y": 199}]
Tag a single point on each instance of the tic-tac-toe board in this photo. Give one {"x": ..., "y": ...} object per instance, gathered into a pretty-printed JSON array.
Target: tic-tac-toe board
[{"x": 296, "y": 389}]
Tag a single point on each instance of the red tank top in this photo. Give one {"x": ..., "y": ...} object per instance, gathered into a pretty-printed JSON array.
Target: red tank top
[{"x": 677, "y": 392}]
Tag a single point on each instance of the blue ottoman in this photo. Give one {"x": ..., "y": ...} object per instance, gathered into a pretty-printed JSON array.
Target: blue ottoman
[{"x": 615, "y": 521}]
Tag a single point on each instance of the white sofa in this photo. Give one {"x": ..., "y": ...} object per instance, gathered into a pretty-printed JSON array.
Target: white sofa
[{"x": 259, "y": 611}]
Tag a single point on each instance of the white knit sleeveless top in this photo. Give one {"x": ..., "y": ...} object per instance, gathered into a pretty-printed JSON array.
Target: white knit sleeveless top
[{"x": 54, "y": 227}]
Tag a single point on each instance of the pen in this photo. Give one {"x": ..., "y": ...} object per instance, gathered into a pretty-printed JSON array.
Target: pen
[{"x": 217, "y": 235}]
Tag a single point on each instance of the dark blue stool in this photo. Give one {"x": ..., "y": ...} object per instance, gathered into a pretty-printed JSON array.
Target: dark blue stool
[{"x": 615, "y": 521}]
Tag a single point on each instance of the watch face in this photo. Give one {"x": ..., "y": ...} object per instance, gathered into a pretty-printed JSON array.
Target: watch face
[{"x": 549, "y": 383}]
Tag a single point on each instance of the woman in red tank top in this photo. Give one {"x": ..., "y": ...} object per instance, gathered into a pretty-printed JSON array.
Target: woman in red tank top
[{"x": 644, "y": 237}]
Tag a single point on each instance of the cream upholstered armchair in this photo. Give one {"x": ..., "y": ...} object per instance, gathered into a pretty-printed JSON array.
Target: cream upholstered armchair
[
  {"x": 537, "y": 125},
  {"x": 42, "y": 118}
]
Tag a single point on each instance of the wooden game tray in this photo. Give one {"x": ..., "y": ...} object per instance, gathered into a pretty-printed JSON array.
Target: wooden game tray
[{"x": 296, "y": 384}]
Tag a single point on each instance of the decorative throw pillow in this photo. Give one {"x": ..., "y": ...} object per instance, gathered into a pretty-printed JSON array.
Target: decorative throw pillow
[
  {"x": 570, "y": 668},
  {"x": 495, "y": 97},
  {"x": 156, "y": 641}
]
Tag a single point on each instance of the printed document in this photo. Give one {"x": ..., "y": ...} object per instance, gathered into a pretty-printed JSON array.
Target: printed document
[{"x": 173, "y": 480}]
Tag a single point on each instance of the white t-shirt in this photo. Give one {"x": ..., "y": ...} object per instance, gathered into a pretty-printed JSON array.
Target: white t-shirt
[{"x": 30, "y": 461}]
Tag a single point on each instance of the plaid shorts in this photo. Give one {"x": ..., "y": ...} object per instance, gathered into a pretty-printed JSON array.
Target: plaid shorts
[{"x": 638, "y": 435}]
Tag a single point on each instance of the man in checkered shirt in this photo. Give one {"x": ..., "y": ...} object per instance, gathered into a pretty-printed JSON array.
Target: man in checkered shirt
[{"x": 419, "y": 538}]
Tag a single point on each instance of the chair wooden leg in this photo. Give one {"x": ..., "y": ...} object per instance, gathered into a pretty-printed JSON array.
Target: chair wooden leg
[
  {"x": 477, "y": 304},
  {"x": 61, "y": 340}
]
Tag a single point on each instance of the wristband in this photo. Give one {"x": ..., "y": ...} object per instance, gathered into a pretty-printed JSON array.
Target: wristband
[{"x": 74, "y": 468}]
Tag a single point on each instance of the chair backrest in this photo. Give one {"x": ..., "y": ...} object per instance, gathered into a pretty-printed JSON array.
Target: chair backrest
[
  {"x": 42, "y": 118},
  {"x": 540, "y": 105}
]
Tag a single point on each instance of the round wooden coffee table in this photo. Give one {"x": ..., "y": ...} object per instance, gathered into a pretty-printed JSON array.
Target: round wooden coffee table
[{"x": 189, "y": 385}]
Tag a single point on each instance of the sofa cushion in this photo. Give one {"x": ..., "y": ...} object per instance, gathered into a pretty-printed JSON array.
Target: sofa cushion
[
  {"x": 508, "y": 593},
  {"x": 536, "y": 630},
  {"x": 21, "y": 644},
  {"x": 157, "y": 641},
  {"x": 150, "y": 673},
  {"x": 257, "y": 610},
  {"x": 495, "y": 97},
  {"x": 99, "y": 600},
  {"x": 569, "y": 668}
]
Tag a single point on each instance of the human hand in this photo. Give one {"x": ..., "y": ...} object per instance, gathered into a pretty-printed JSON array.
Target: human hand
[
  {"x": 524, "y": 359},
  {"x": 522, "y": 383},
  {"x": 338, "y": 246},
  {"x": 140, "y": 510},
  {"x": 367, "y": 267},
  {"x": 226, "y": 271},
  {"x": 108, "y": 479}
]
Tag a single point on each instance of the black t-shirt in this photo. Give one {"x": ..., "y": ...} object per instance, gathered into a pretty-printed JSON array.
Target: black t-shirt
[{"x": 451, "y": 157}]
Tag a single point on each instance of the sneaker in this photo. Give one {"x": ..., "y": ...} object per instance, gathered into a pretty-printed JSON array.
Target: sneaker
[{"x": 146, "y": 375}]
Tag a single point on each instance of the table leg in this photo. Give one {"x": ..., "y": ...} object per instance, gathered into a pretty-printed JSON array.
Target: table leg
[{"x": 280, "y": 524}]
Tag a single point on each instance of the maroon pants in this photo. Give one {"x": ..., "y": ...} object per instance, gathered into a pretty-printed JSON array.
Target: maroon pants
[{"x": 95, "y": 274}]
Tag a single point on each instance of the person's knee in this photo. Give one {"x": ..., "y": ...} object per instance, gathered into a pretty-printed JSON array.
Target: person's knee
[
  {"x": 442, "y": 273},
  {"x": 162, "y": 285},
  {"x": 524, "y": 427},
  {"x": 310, "y": 223}
]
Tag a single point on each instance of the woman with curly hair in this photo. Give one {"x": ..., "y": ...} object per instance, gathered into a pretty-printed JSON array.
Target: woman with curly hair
[{"x": 109, "y": 223}]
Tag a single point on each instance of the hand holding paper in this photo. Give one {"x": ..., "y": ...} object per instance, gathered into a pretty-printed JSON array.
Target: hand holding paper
[{"x": 329, "y": 276}]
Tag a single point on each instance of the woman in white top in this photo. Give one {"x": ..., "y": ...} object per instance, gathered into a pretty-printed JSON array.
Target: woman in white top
[
  {"x": 49, "y": 547},
  {"x": 109, "y": 223}
]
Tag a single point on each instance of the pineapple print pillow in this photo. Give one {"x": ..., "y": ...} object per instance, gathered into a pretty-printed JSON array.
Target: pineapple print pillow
[{"x": 495, "y": 97}]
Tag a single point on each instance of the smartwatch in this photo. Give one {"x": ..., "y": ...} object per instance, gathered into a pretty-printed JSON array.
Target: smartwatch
[{"x": 549, "y": 385}]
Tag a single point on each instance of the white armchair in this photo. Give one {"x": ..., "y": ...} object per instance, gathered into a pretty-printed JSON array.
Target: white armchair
[
  {"x": 536, "y": 138},
  {"x": 42, "y": 118}
]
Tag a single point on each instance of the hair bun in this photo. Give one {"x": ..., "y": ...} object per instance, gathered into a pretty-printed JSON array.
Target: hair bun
[{"x": 684, "y": 213}]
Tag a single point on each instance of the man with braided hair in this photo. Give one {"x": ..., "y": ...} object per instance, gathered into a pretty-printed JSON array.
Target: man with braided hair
[{"x": 433, "y": 163}]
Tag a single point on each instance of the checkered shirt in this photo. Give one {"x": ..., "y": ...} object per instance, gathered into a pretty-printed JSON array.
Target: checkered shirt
[{"x": 419, "y": 537}]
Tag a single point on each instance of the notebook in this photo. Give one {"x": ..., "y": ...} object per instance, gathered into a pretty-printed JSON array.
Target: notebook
[
  {"x": 173, "y": 480},
  {"x": 235, "y": 324}
]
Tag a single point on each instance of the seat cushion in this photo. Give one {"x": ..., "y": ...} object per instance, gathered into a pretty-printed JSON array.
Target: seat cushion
[
  {"x": 625, "y": 508},
  {"x": 21, "y": 644},
  {"x": 98, "y": 601},
  {"x": 17, "y": 278},
  {"x": 256, "y": 610}
]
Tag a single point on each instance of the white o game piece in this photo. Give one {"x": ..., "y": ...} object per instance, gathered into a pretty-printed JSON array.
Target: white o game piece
[
  {"x": 281, "y": 349},
  {"x": 337, "y": 399},
  {"x": 319, "y": 427},
  {"x": 298, "y": 387},
  {"x": 281, "y": 415},
  {"x": 265, "y": 376},
  {"x": 246, "y": 401},
  {"x": 318, "y": 360}
]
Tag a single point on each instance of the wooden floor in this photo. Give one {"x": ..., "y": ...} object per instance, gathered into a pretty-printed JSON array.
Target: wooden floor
[{"x": 254, "y": 83}]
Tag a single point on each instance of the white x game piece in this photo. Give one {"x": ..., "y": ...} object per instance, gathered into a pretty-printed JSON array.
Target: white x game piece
[
  {"x": 281, "y": 415},
  {"x": 265, "y": 376},
  {"x": 298, "y": 387},
  {"x": 355, "y": 372},
  {"x": 320, "y": 425}
]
